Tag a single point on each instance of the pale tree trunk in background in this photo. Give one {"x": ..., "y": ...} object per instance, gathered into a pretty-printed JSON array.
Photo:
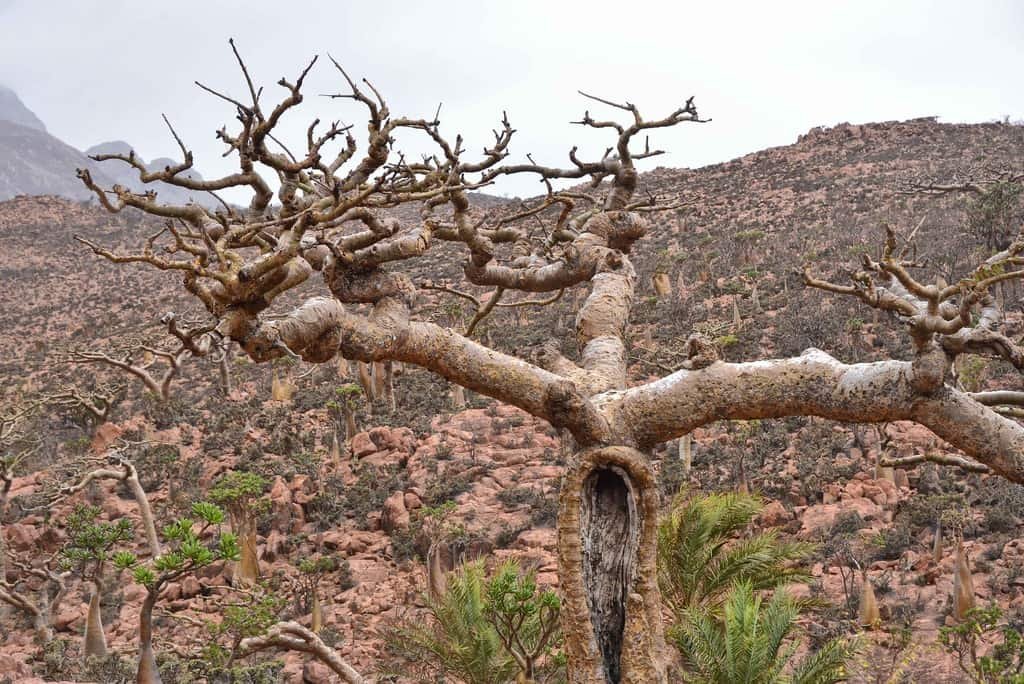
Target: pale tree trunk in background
[
  {"x": 686, "y": 453},
  {"x": 662, "y": 284},
  {"x": 224, "y": 368},
  {"x": 316, "y": 614},
  {"x": 349, "y": 415},
  {"x": 95, "y": 639},
  {"x": 363, "y": 373},
  {"x": 247, "y": 568},
  {"x": 436, "y": 584},
  {"x": 458, "y": 394},
  {"x": 380, "y": 379},
  {"x": 148, "y": 672},
  {"x": 145, "y": 511},
  {"x": 388, "y": 385},
  {"x": 963, "y": 583}
]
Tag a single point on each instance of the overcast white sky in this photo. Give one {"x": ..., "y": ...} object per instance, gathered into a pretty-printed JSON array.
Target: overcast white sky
[{"x": 97, "y": 70}]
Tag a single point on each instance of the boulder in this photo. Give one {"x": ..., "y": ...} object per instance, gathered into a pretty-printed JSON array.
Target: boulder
[
  {"x": 363, "y": 446},
  {"x": 394, "y": 516}
]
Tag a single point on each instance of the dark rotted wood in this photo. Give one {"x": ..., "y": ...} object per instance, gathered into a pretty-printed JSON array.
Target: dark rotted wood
[{"x": 610, "y": 533}]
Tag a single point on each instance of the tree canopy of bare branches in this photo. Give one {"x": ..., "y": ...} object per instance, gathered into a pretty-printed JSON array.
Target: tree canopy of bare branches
[{"x": 330, "y": 216}]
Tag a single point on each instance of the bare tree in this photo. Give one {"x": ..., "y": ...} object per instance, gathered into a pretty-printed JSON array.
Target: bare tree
[
  {"x": 331, "y": 217},
  {"x": 95, "y": 403},
  {"x": 50, "y": 587},
  {"x": 140, "y": 359},
  {"x": 17, "y": 443},
  {"x": 994, "y": 216},
  {"x": 123, "y": 470}
]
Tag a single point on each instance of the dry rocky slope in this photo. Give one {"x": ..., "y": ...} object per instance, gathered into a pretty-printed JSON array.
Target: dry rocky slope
[{"x": 731, "y": 260}]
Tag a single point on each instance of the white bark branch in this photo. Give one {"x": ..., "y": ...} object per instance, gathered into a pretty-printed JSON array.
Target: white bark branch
[
  {"x": 819, "y": 385},
  {"x": 291, "y": 636}
]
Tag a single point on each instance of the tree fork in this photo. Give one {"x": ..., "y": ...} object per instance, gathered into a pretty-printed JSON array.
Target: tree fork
[{"x": 607, "y": 551}]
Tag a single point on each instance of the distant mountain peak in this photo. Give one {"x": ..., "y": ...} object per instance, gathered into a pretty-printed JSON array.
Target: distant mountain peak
[
  {"x": 14, "y": 110},
  {"x": 110, "y": 147}
]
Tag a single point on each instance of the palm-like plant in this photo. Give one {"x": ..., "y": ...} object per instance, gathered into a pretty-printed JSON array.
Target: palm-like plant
[
  {"x": 748, "y": 643},
  {"x": 459, "y": 642},
  {"x": 702, "y": 553}
]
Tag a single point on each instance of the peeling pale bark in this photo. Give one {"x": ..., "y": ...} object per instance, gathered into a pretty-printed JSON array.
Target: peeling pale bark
[
  {"x": 291, "y": 636},
  {"x": 819, "y": 385}
]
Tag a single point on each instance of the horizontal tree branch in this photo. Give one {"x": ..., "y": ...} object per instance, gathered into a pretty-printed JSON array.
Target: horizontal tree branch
[
  {"x": 322, "y": 328},
  {"x": 940, "y": 459},
  {"x": 291, "y": 636},
  {"x": 816, "y": 384}
]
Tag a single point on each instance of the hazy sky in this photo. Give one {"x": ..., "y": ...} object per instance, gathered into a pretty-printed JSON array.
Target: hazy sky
[{"x": 97, "y": 70}]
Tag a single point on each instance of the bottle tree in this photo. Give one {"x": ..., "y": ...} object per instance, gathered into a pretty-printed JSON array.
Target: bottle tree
[
  {"x": 241, "y": 494},
  {"x": 190, "y": 544},
  {"x": 90, "y": 549}
]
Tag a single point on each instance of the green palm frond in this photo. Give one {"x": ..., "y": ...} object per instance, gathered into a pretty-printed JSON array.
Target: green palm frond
[
  {"x": 702, "y": 553},
  {"x": 751, "y": 643},
  {"x": 458, "y": 639},
  {"x": 826, "y": 665}
]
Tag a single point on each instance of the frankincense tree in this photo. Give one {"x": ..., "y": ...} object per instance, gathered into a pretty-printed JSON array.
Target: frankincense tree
[{"x": 331, "y": 216}]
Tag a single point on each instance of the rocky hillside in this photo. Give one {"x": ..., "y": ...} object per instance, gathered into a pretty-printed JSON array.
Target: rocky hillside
[{"x": 731, "y": 257}]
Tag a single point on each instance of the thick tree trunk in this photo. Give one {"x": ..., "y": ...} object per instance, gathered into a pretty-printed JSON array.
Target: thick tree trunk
[
  {"x": 388, "y": 385},
  {"x": 316, "y": 620},
  {"x": 248, "y": 567},
  {"x": 367, "y": 383},
  {"x": 224, "y": 369},
  {"x": 379, "y": 379},
  {"x": 607, "y": 550},
  {"x": 458, "y": 397},
  {"x": 350, "y": 422},
  {"x": 95, "y": 639},
  {"x": 42, "y": 626},
  {"x": 148, "y": 672}
]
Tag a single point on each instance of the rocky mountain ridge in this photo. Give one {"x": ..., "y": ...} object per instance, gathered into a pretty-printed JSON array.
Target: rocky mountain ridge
[{"x": 35, "y": 162}]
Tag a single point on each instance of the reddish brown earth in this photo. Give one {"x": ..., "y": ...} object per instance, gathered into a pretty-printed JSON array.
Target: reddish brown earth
[{"x": 756, "y": 219}]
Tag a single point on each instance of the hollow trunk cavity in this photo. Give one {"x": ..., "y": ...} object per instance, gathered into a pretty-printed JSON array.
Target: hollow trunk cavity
[{"x": 607, "y": 526}]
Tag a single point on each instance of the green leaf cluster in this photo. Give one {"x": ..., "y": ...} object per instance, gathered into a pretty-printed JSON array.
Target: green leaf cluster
[
  {"x": 187, "y": 549},
  {"x": 1004, "y": 661},
  {"x": 704, "y": 549},
  {"x": 92, "y": 541},
  {"x": 237, "y": 488},
  {"x": 480, "y": 628}
]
